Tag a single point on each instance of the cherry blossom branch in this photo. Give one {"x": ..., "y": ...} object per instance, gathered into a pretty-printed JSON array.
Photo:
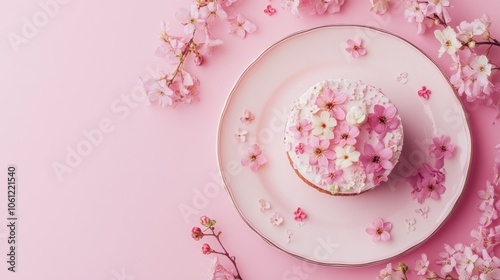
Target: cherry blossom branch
[
  {"x": 178, "y": 85},
  {"x": 225, "y": 253},
  {"x": 218, "y": 271}
]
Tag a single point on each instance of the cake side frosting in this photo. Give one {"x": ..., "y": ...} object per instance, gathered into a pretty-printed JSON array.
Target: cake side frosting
[{"x": 343, "y": 137}]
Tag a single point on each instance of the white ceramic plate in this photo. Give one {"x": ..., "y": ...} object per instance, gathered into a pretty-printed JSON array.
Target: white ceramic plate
[{"x": 334, "y": 232}]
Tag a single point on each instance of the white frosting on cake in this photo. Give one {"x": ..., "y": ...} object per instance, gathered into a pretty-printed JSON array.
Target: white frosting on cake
[{"x": 343, "y": 136}]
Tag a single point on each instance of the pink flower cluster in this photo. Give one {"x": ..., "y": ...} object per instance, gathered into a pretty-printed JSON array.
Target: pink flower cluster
[
  {"x": 302, "y": 8},
  {"x": 473, "y": 68},
  {"x": 177, "y": 85},
  {"x": 476, "y": 260},
  {"x": 428, "y": 180}
]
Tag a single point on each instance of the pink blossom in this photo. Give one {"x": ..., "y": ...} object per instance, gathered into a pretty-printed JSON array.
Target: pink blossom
[
  {"x": 212, "y": 10},
  {"x": 425, "y": 93},
  {"x": 429, "y": 187},
  {"x": 196, "y": 233},
  {"x": 329, "y": 6},
  {"x": 485, "y": 238},
  {"x": 333, "y": 175},
  {"x": 206, "y": 221},
  {"x": 448, "y": 39},
  {"x": 219, "y": 272},
  {"x": 383, "y": 119},
  {"x": 489, "y": 267},
  {"x": 448, "y": 259},
  {"x": 438, "y": 7},
  {"x": 330, "y": 101},
  {"x": 276, "y": 219},
  {"x": 422, "y": 265},
  {"x": 254, "y": 158},
  {"x": 171, "y": 47},
  {"x": 380, "y": 230},
  {"x": 467, "y": 30},
  {"x": 389, "y": 273},
  {"x": 319, "y": 152},
  {"x": 206, "y": 249},
  {"x": 270, "y": 10},
  {"x": 294, "y": 6},
  {"x": 241, "y": 26},
  {"x": 355, "y": 47},
  {"x": 414, "y": 11},
  {"x": 210, "y": 43},
  {"x": 264, "y": 205},
  {"x": 345, "y": 134},
  {"x": 441, "y": 149},
  {"x": 488, "y": 216},
  {"x": 376, "y": 158},
  {"x": 487, "y": 196},
  {"x": 158, "y": 90},
  {"x": 467, "y": 261},
  {"x": 301, "y": 128},
  {"x": 240, "y": 135},
  {"x": 247, "y": 117},
  {"x": 299, "y": 149},
  {"x": 190, "y": 19},
  {"x": 299, "y": 215},
  {"x": 379, "y": 177},
  {"x": 380, "y": 7}
]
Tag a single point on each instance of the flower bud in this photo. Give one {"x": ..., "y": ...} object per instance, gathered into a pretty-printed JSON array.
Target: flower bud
[
  {"x": 486, "y": 35},
  {"x": 196, "y": 233},
  {"x": 472, "y": 44},
  {"x": 198, "y": 60},
  {"x": 206, "y": 249}
]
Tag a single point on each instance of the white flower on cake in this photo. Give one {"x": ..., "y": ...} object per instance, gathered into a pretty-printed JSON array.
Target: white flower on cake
[
  {"x": 346, "y": 156},
  {"x": 323, "y": 125},
  {"x": 356, "y": 116}
]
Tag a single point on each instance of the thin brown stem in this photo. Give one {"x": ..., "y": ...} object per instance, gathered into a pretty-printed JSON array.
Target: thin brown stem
[{"x": 232, "y": 259}]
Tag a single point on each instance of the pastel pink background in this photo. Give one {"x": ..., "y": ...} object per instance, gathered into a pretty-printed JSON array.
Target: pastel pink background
[{"x": 116, "y": 215}]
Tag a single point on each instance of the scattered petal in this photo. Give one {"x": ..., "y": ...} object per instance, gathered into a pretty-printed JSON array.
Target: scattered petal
[
  {"x": 276, "y": 219},
  {"x": 264, "y": 205}
]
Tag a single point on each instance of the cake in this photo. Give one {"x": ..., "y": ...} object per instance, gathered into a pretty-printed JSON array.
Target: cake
[{"x": 343, "y": 137}]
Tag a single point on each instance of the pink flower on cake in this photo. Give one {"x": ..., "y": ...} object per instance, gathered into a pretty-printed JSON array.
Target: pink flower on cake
[
  {"x": 329, "y": 101},
  {"x": 247, "y": 117},
  {"x": 241, "y": 26},
  {"x": 333, "y": 175},
  {"x": 355, "y": 47},
  {"x": 345, "y": 134},
  {"x": 299, "y": 215},
  {"x": 379, "y": 177},
  {"x": 299, "y": 149},
  {"x": 276, "y": 219},
  {"x": 383, "y": 119},
  {"x": 380, "y": 230},
  {"x": 301, "y": 127},
  {"x": 323, "y": 125},
  {"x": 376, "y": 158},
  {"x": 346, "y": 156},
  {"x": 254, "y": 158},
  {"x": 319, "y": 152}
]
